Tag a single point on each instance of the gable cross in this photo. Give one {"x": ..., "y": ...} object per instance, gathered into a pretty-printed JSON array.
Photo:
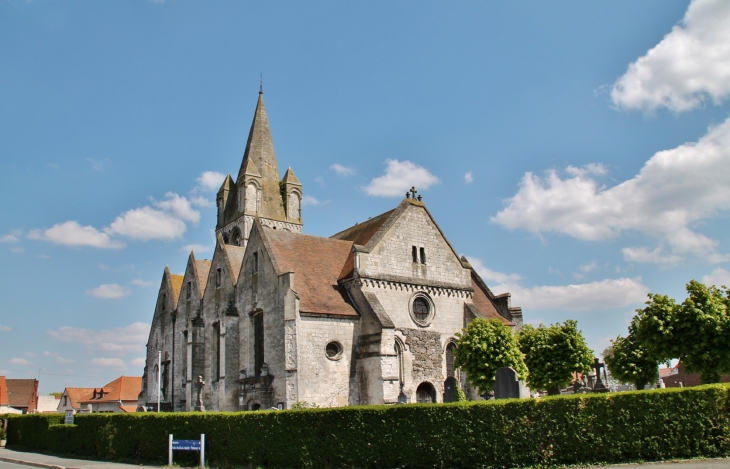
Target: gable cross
[{"x": 413, "y": 192}]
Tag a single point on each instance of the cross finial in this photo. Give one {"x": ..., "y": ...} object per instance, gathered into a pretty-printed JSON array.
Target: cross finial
[
  {"x": 261, "y": 83},
  {"x": 413, "y": 191}
]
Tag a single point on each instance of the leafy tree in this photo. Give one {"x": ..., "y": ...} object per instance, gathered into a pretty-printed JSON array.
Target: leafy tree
[
  {"x": 483, "y": 347},
  {"x": 629, "y": 361},
  {"x": 696, "y": 331},
  {"x": 56, "y": 394},
  {"x": 553, "y": 354}
]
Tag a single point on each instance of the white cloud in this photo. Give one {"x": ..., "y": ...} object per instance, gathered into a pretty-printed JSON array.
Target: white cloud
[
  {"x": 468, "y": 178},
  {"x": 717, "y": 277},
  {"x": 489, "y": 275},
  {"x": 180, "y": 206},
  {"x": 200, "y": 201},
  {"x": 142, "y": 283},
  {"x": 97, "y": 165},
  {"x": 196, "y": 248},
  {"x": 12, "y": 237},
  {"x": 689, "y": 65},
  {"x": 147, "y": 223},
  {"x": 342, "y": 170},
  {"x": 139, "y": 362},
  {"x": 116, "y": 363},
  {"x": 70, "y": 233},
  {"x": 18, "y": 250},
  {"x": 309, "y": 200},
  {"x": 604, "y": 294},
  {"x": 398, "y": 178},
  {"x": 654, "y": 256},
  {"x": 127, "y": 339},
  {"x": 20, "y": 361},
  {"x": 4, "y": 328},
  {"x": 675, "y": 189},
  {"x": 588, "y": 267},
  {"x": 210, "y": 181},
  {"x": 108, "y": 292},
  {"x": 58, "y": 358}
]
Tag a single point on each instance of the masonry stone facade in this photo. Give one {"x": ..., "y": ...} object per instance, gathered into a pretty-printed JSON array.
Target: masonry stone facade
[{"x": 276, "y": 317}]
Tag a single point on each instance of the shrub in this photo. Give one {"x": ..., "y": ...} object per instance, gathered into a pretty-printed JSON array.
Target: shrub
[{"x": 560, "y": 430}]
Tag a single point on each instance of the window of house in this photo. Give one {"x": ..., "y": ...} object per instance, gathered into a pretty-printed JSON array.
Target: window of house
[
  {"x": 420, "y": 309},
  {"x": 217, "y": 344},
  {"x": 258, "y": 342},
  {"x": 255, "y": 262},
  {"x": 188, "y": 290},
  {"x": 414, "y": 252},
  {"x": 333, "y": 350},
  {"x": 218, "y": 276},
  {"x": 423, "y": 255}
]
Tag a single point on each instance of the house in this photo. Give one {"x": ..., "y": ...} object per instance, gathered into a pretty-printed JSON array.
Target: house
[
  {"x": 366, "y": 316},
  {"x": 678, "y": 377},
  {"x": 4, "y": 401},
  {"x": 47, "y": 405},
  {"x": 71, "y": 397},
  {"x": 22, "y": 394},
  {"x": 118, "y": 396}
]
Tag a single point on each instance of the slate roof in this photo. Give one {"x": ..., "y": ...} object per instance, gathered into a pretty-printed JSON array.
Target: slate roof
[
  {"x": 124, "y": 388},
  {"x": 317, "y": 263},
  {"x": 75, "y": 395},
  {"x": 3, "y": 392},
  {"x": 21, "y": 392}
]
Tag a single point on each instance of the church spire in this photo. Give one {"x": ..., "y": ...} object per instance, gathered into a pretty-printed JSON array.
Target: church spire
[{"x": 260, "y": 150}]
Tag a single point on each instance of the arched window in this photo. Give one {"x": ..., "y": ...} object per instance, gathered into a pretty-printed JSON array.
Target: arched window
[
  {"x": 236, "y": 237},
  {"x": 399, "y": 349},
  {"x": 425, "y": 393},
  {"x": 258, "y": 342},
  {"x": 450, "y": 359},
  {"x": 295, "y": 206},
  {"x": 253, "y": 199}
]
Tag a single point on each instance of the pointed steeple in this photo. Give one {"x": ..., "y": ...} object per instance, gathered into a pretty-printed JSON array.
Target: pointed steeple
[
  {"x": 290, "y": 177},
  {"x": 260, "y": 151}
]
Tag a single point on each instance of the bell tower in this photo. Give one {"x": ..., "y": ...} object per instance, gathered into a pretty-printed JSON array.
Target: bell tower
[{"x": 258, "y": 190}]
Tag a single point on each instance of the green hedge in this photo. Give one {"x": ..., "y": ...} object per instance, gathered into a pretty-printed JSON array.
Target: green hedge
[{"x": 601, "y": 428}]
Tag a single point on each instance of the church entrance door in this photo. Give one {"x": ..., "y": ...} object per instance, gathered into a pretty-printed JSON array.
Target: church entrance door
[
  {"x": 450, "y": 389},
  {"x": 425, "y": 394}
]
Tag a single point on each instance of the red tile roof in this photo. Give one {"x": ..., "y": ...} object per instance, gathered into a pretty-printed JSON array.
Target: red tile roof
[
  {"x": 75, "y": 395},
  {"x": 3, "y": 392},
  {"x": 316, "y": 263},
  {"x": 124, "y": 388},
  {"x": 485, "y": 305},
  {"x": 22, "y": 393}
]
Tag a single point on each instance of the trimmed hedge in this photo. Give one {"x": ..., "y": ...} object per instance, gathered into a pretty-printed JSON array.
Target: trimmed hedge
[{"x": 580, "y": 429}]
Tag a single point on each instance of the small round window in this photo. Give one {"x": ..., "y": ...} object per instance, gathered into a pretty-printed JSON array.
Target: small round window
[
  {"x": 333, "y": 350},
  {"x": 422, "y": 309}
]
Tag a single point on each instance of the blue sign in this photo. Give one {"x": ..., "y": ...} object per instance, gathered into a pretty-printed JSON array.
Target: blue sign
[{"x": 186, "y": 445}]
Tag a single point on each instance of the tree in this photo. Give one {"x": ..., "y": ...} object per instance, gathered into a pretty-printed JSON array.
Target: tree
[
  {"x": 696, "y": 331},
  {"x": 629, "y": 361},
  {"x": 56, "y": 394},
  {"x": 553, "y": 354},
  {"x": 482, "y": 348}
]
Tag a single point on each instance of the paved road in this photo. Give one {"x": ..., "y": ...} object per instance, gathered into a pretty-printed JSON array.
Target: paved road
[{"x": 52, "y": 462}]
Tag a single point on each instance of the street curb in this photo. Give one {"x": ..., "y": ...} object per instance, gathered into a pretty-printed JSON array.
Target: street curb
[{"x": 34, "y": 464}]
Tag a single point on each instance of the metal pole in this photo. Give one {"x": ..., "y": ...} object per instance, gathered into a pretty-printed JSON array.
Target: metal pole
[
  {"x": 159, "y": 371},
  {"x": 202, "y": 451},
  {"x": 169, "y": 451}
]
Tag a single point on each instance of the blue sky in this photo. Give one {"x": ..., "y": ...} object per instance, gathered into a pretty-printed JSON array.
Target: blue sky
[{"x": 576, "y": 152}]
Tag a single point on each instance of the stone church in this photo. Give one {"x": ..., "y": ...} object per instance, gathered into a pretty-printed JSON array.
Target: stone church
[{"x": 276, "y": 317}]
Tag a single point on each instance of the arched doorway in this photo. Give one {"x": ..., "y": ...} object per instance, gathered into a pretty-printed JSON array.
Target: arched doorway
[{"x": 425, "y": 393}]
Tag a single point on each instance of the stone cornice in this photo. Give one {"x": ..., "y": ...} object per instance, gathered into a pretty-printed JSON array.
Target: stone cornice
[{"x": 395, "y": 283}]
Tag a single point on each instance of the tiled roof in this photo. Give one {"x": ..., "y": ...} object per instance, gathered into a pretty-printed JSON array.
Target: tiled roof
[
  {"x": 75, "y": 395},
  {"x": 485, "y": 305},
  {"x": 362, "y": 232},
  {"x": 124, "y": 388},
  {"x": 128, "y": 408},
  {"x": 21, "y": 392},
  {"x": 316, "y": 263},
  {"x": 203, "y": 268},
  {"x": 3, "y": 392}
]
